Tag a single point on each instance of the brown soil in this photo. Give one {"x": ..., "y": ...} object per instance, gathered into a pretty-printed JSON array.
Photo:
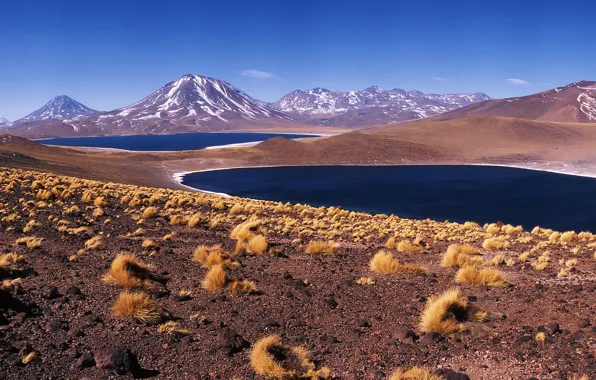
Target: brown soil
[{"x": 357, "y": 331}]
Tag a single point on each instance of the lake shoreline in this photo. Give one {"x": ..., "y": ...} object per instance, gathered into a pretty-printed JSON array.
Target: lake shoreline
[
  {"x": 178, "y": 177},
  {"x": 439, "y": 192}
]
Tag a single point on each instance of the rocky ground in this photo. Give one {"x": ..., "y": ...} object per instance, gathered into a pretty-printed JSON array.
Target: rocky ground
[{"x": 57, "y": 319}]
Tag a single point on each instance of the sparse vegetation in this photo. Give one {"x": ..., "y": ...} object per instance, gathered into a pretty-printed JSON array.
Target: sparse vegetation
[
  {"x": 486, "y": 276},
  {"x": 136, "y": 305},
  {"x": 445, "y": 313}
]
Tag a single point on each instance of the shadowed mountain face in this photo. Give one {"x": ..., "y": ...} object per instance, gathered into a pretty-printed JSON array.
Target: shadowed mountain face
[
  {"x": 573, "y": 103},
  {"x": 371, "y": 106}
]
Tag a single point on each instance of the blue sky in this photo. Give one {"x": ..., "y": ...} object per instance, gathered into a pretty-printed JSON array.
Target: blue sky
[{"x": 108, "y": 54}]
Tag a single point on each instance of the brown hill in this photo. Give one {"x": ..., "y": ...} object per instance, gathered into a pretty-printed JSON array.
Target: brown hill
[{"x": 575, "y": 102}]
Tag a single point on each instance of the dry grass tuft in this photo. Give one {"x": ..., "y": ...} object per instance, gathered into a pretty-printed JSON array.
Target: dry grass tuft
[
  {"x": 495, "y": 243},
  {"x": 257, "y": 245},
  {"x": 94, "y": 243},
  {"x": 265, "y": 363},
  {"x": 171, "y": 327},
  {"x": 30, "y": 241},
  {"x": 405, "y": 246},
  {"x": 136, "y": 305},
  {"x": 365, "y": 281},
  {"x": 318, "y": 247},
  {"x": 496, "y": 261},
  {"x": 246, "y": 230},
  {"x": 269, "y": 358},
  {"x": 384, "y": 263},
  {"x": 456, "y": 257},
  {"x": 128, "y": 271},
  {"x": 242, "y": 286},
  {"x": 215, "y": 279},
  {"x": 8, "y": 260},
  {"x": 210, "y": 256},
  {"x": 414, "y": 373},
  {"x": 489, "y": 277},
  {"x": 445, "y": 313},
  {"x": 150, "y": 212}
]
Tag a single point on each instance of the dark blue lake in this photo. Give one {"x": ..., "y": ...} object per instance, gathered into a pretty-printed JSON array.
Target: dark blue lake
[
  {"x": 457, "y": 193},
  {"x": 174, "y": 142}
]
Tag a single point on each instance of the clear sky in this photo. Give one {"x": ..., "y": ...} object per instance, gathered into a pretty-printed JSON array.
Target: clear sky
[{"x": 108, "y": 54}]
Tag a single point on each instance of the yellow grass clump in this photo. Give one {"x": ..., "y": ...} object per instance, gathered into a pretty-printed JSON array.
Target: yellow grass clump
[
  {"x": 269, "y": 357},
  {"x": 246, "y": 230},
  {"x": 150, "y": 212},
  {"x": 30, "y": 241},
  {"x": 209, "y": 256},
  {"x": 496, "y": 260},
  {"x": 319, "y": 247},
  {"x": 8, "y": 260},
  {"x": 568, "y": 236},
  {"x": 445, "y": 313},
  {"x": 454, "y": 257},
  {"x": 414, "y": 373},
  {"x": 171, "y": 327},
  {"x": 494, "y": 243},
  {"x": 384, "y": 263},
  {"x": 486, "y": 276},
  {"x": 365, "y": 281},
  {"x": 128, "y": 271},
  {"x": 136, "y": 305},
  {"x": 94, "y": 242},
  {"x": 242, "y": 286},
  {"x": 257, "y": 245},
  {"x": 195, "y": 220},
  {"x": 405, "y": 246},
  {"x": 215, "y": 279}
]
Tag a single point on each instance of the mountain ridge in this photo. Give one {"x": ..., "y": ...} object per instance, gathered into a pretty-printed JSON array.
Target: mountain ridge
[{"x": 370, "y": 106}]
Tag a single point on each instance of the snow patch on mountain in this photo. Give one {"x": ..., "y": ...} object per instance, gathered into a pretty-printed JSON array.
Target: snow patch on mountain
[{"x": 587, "y": 105}]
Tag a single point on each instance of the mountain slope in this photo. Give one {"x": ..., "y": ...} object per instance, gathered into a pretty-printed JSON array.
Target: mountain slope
[
  {"x": 59, "y": 107},
  {"x": 191, "y": 103},
  {"x": 370, "y": 106},
  {"x": 573, "y": 103},
  {"x": 4, "y": 120}
]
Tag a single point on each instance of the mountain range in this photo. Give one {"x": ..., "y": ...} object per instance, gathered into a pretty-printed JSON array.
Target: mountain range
[
  {"x": 371, "y": 106},
  {"x": 199, "y": 103}
]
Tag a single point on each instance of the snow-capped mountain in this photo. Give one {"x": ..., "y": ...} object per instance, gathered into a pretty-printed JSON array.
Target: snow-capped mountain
[
  {"x": 370, "y": 106},
  {"x": 58, "y": 108},
  {"x": 196, "y": 99},
  {"x": 191, "y": 103},
  {"x": 4, "y": 120}
]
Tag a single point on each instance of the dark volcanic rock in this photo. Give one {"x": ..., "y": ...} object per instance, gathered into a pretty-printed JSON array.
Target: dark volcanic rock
[
  {"x": 120, "y": 361},
  {"x": 230, "y": 342}
]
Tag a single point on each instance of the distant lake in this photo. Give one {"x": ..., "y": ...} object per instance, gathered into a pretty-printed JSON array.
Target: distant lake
[
  {"x": 173, "y": 142},
  {"x": 482, "y": 194}
]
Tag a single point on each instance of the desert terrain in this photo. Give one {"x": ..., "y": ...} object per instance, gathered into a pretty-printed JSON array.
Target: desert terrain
[{"x": 102, "y": 279}]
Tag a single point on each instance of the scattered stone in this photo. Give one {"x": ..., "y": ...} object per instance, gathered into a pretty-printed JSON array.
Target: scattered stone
[
  {"x": 230, "y": 342},
  {"x": 74, "y": 291},
  {"x": 332, "y": 303},
  {"x": 552, "y": 328},
  {"x": 50, "y": 293},
  {"x": 449, "y": 374},
  {"x": 120, "y": 361},
  {"x": 86, "y": 361}
]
